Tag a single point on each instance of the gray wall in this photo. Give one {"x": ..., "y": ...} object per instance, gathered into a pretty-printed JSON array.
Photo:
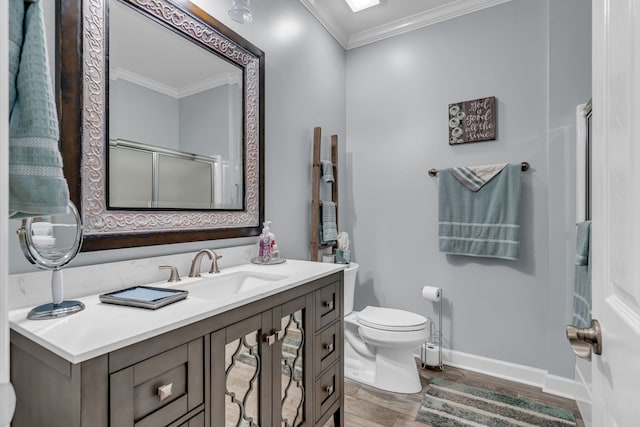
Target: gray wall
[
  {"x": 204, "y": 122},
  {"x": 198, "y": 123},
  {"x": 528, "y": 56},
  {"x": 305, "y": 87},
  {"x": 139, "y": 114}
]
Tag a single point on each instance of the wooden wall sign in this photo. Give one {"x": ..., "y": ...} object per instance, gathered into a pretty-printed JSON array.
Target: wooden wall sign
[{"x": 472, "y": 121}]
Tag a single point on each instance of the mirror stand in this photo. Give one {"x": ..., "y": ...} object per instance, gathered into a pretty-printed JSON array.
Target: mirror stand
[
  {"x": 51, "y": 242},
  {"x": 58, "y": 307}
]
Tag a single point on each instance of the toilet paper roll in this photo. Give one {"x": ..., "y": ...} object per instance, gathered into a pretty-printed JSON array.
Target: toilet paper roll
[
  {"x": 433, "y": 354},
  {"x": 431, "y": 293}
]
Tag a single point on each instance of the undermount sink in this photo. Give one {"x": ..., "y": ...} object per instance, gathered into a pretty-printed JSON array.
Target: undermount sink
[{"x": 229, "y": 284}]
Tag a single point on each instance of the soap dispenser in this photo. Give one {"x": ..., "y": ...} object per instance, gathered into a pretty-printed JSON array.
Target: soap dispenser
[
  {"x": 273, "y": 246},
  {"x": 265, "y": 243}
]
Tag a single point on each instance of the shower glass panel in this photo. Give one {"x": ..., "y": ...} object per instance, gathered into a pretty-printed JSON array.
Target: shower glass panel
[{"x": 184, "y": 183}]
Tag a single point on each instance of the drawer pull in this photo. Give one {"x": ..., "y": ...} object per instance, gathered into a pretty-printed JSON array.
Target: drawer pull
[
  {"x": 329, "y": 389},
  {"x": 328, "y": 347},
  {"x": 270, "y": 339},
  {"x": 328, "y": 304},
  {"x": 164, "y": 391},
  {"x": 280, "y": 334}
]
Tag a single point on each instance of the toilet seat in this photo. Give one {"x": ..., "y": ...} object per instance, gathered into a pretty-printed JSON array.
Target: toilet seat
[{"x": 391, "y": 319}]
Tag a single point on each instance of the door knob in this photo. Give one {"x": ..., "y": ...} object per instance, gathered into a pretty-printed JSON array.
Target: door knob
[{"x": 582, "y": 340}]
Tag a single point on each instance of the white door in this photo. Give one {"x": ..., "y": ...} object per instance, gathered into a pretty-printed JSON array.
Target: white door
[{"x": 616, "y": 211}]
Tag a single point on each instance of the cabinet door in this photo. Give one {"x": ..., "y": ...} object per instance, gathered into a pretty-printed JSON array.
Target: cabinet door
[
  {"x": 292, "y": 369},
  {"x": 240, "y": 359}
]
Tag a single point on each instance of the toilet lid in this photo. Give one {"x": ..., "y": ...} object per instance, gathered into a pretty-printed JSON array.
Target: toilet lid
[{"x": 391, "y": 319}]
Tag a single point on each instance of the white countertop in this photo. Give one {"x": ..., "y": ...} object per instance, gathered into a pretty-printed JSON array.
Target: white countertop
[{"x": 101, "y": 328}]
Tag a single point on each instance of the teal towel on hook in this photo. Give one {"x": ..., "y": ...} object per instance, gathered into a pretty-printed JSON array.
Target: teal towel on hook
[
  {"x": 581, "y": 316},
  {"x": 482, "y": 223},
  {"x": 36, "y": 182},
  {"x": 582, "y": 285}
]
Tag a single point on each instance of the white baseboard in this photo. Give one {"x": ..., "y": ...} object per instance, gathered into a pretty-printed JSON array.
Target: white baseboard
[
  {"x": 560, "y": 386},
  {"x": 552, "y": 384}
]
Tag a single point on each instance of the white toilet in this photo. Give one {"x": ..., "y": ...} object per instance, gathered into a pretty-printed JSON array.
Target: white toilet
[{"x": 380, "y": 343}]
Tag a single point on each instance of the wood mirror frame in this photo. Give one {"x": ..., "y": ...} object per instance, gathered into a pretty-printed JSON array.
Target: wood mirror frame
[{"x": 81, "y": 29}]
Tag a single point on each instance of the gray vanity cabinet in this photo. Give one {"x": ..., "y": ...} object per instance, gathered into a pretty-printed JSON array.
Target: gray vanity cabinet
[{"x": 273, "y": 362}]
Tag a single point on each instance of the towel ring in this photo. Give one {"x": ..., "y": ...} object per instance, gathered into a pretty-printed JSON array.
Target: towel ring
[{"x": 524, "y": 166}]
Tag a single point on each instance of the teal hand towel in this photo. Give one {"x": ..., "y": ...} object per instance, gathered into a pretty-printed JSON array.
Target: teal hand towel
[
  {"x": 583, "y": 242},
  {"x": 329, "y": 222},
  {"x": 482, "y": 223},
  {"x": 36, "y": 182},
  {"x": 582, "y": 283}
]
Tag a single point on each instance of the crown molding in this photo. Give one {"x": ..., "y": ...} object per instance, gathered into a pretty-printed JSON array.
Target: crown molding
[
  {"x": 124, "y": 74},
  {"x": 210, "y": 83},
  {"x": 419, "y": 20},
  {"x": 328, "y": 22},
  {"x": 400, "y": 26}
]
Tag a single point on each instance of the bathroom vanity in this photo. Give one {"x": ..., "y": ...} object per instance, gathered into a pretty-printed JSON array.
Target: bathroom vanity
[{"x": 268, "y": 356}]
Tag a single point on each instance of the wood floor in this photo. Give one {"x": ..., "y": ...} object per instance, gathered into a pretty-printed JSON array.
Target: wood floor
[{"x": 370, "y": 407}]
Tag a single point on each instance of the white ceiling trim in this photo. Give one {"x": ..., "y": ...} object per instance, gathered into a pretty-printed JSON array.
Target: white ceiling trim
[
  {"x": 420, "y": 20},
  {"x": 328, "y": 22},
  {"x": 123, "y": 74},
  {"x": 213, "y": 82},
  {"x": 400, "y": 26},
  {"x": 210, "y": 83}
]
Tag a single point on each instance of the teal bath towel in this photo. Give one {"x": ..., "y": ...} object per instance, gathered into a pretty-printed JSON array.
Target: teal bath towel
[
  {"x": 582, "y": 284},
  {"x": 36, "y": 183},
  {"x": 482, "y": 223}
]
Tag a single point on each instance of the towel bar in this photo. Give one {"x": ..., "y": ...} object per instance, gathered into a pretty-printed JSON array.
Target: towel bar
[{"x": 525, "y": 167}]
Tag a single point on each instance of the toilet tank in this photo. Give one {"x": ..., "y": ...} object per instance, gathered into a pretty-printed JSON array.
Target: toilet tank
[{"x": 349, "y": 286}]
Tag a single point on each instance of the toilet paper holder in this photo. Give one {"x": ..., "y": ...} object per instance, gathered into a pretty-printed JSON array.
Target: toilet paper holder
[{"x": 426, "y": 351}]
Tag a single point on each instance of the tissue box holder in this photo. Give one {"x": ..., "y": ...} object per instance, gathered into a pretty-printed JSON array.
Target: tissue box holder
[{"x": 343, "y": 257}]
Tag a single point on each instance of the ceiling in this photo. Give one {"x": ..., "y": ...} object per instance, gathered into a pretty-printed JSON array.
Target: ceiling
[{"x": 389, "y": 18}]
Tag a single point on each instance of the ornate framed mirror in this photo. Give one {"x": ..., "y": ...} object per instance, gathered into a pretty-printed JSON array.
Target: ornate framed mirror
[{"x": 157, "y": 151}]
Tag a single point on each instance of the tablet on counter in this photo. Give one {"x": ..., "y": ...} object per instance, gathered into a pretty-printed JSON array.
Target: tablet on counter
[{"x": 144, "y": 297}]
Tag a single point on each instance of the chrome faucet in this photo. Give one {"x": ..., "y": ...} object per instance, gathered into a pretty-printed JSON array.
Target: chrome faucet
[{"x": 197, "y": 260}]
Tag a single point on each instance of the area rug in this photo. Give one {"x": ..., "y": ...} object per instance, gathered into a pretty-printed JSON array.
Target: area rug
[{"x": 449, "y": 404}]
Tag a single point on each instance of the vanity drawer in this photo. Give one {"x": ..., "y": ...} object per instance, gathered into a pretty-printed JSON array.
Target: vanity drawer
[
  {"x": 197, "y": 421},
  {"x": 327, "y": 305},
  {"x": 159, "y": 390},
  {"x": 328, "y": 389},
  {"x": 327, "y": 347}
]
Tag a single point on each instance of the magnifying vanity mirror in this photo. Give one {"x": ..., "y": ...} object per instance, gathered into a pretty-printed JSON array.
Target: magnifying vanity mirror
[
  {"x": 51, "y": 242},
  {"x": 167, "y": 145}
]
